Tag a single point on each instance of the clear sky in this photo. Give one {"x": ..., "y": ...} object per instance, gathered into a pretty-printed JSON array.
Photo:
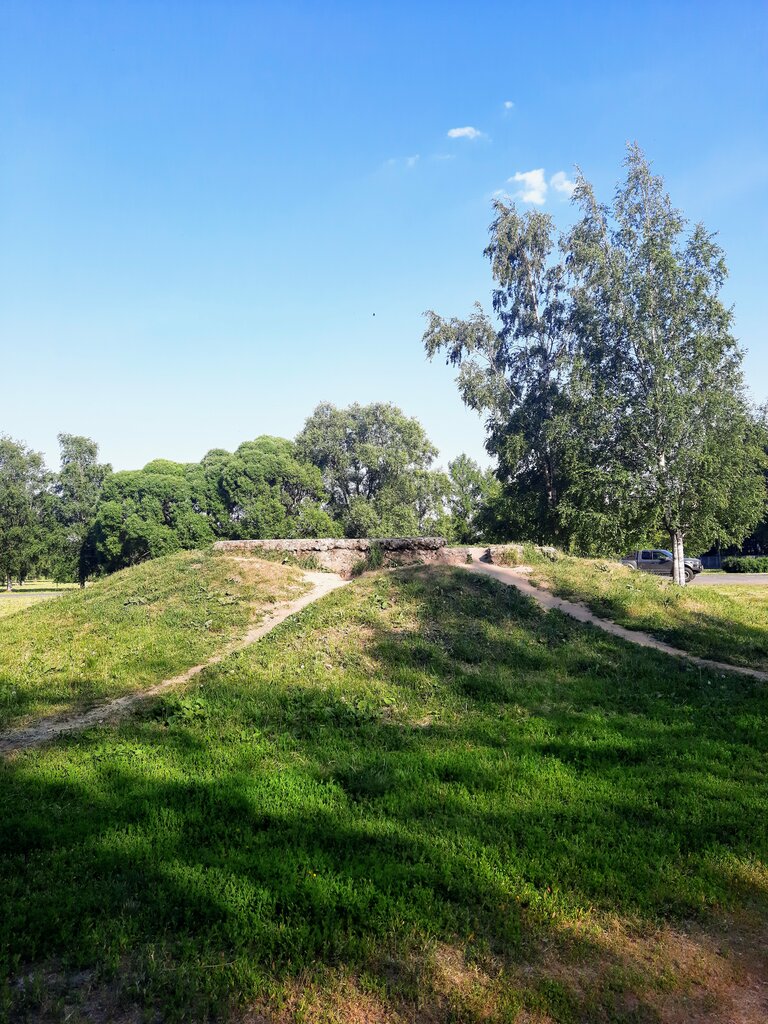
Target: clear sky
[{"x": 203, "y": 204}]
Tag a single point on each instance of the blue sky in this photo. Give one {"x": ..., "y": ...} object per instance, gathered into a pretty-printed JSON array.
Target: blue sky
[{"x": 203, "y": 205}]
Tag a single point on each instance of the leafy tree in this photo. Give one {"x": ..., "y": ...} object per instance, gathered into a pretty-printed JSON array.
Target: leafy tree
[
  {"x": 268, "y": 492},
  {"x": 472, "y": 492},
  {"x": 23, "y": 483},
  {"x": 514, "y": 373},
  {"x": 143, "y": 514},
  {"x": 77, "y": 489},
  {"x": 665, "y": 442},
  {"x": 373, "y": 461},
  {"x": 612, "y": 388}
]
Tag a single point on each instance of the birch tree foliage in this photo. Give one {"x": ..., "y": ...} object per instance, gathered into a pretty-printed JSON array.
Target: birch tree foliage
[
  {"x": 512, "y": 370},
  {"x": 663, "y": 439}
]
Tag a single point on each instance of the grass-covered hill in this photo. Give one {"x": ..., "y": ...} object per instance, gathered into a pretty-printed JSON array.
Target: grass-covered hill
[
  {"x": 423, "y": 799},
  {"x": 130, "y": 630},
  {"x": 726, "y": 623}
]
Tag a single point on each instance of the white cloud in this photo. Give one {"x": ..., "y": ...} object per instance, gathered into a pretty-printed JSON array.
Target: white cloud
[
  {"x": 465, "y": 133},
  {"x": 409, "y": 162},
  {"x": 508, "y": 104},
  {"x": 560, "y": 182},
  {"x": 533, "y": 186}
]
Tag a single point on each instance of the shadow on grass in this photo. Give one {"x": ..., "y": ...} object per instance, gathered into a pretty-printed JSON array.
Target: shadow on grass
[
  {"x": 476, "y": 775},
  {"x": 710, "y": 632}
]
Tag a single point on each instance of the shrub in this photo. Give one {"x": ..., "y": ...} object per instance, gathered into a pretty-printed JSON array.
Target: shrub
[{"x": 750, "y": 563}]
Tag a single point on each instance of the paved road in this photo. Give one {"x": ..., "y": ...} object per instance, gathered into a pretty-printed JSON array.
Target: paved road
[
  {"x": 31, "y": 593},
  {"x": 718, "y": 579}
]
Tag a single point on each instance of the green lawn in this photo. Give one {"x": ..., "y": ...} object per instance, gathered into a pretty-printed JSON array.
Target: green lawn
[
  {"x": 423, "y": 799},
  {"x": 43, "y": 584},
  {"x": 12, "y": 605},
  {"x": 728, "y": 623},
  {"x": 127, "y": 631}
]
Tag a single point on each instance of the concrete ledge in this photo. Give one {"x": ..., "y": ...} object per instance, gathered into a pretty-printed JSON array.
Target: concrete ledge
[{"x": 341, "y": 554}]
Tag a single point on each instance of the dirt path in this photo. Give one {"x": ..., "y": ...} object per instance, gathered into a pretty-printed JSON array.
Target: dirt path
[
  {"x": 46, "y": 729},
  {"x": 580, "y": 612}
]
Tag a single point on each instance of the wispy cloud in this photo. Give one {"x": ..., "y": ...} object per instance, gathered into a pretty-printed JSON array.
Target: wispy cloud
[
  {"x": 560, "y": 182},
  {"x": 465, "y": 133},
  {"x": 533, "y": 186},
  {"x": 508, "y": 104},
  {"x": 409, "y": 162}
]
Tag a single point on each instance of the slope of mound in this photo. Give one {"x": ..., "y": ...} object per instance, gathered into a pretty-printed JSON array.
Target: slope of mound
[
  {"x": 421, "y": 800},
  {"x": 131, "y": 630},
  {"x": 728, "y": 624}
]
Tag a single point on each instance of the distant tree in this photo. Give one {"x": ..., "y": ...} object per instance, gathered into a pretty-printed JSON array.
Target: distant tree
[
  {"x": 664, "y": 439},
  {"x": 77, "y": 489},
  {"x": 143, "y": 514},
  {"x": 269, "y": 492},
  {"x": 472, "y": 492},
  {"x": 514, "y": 371},
  {"x": 23, "y": 489},
  {"x": 373, "y": 459}
]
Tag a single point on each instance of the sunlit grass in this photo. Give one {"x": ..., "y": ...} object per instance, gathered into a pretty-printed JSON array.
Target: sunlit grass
[
  {"x": 127, "y": 631},
  {"x": 728, "y": 623},
  {"x": 423, "y": 798},
  {"x": 12, "y": 605},
  {"x": 43, "y": 583}
]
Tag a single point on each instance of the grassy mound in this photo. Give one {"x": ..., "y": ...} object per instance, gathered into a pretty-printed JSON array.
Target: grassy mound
[
  {"x": 726, "y": 623},
  {"x": 129, "y": 630},
  {"x": 423, "y": 799}
]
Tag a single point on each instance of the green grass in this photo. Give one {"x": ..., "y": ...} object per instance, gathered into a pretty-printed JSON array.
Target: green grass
[
  {"x": 127, "y": 631},
  {"x": 12, "y": 605},
  {"x": 42, "y": 584},
  {"x": 728, "y": 623},
  {"x": 422, "y": 799}
]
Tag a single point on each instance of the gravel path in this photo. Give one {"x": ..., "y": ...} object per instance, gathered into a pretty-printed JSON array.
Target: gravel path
[
  {"x": 45, "y": 729},
  {"x": 580, "y": 611}
]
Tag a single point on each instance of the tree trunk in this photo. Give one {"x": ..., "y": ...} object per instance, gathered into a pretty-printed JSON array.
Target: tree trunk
[
  {"x": 8, "y": 583},
  {"x": 678, "y": 565}
]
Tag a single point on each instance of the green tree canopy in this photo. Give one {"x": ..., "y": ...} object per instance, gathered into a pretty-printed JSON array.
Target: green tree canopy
[
  {"x": 143, "y": 515},
  {"x": 611, "y": 382},
  {"x": 76, "y": 489},
  {"x": 663, "y": 439},
  {"x": 268, "y": 492},
  {"x": 23, "y": 491},
  {"x": 375, "y": 464},
  {"x": 514, "y": 371},
  {"x": 472, "y": 491}
]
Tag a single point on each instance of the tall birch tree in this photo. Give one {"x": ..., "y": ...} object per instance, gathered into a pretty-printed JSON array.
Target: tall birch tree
[
  {"x": 512, "y": 370},
  {"x": 665, "y": 441}
]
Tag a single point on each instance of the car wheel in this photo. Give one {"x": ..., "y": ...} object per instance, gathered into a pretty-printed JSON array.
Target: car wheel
[{"x": 690, "y": 575}]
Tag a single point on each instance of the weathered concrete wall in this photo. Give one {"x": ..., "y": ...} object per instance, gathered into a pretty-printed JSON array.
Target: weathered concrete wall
[{"x": 341, "y": 555}]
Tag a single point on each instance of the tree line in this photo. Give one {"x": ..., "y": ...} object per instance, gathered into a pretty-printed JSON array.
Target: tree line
[
  {"x": 609, "y": 377},
  {"x": 354, "y": 472},
  {"x": 613, "y": 396}
]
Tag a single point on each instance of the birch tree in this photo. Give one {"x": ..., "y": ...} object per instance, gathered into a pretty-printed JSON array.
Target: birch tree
[
  {"x": 665, "y": 440},
  {"x": 512, "y": 370}
]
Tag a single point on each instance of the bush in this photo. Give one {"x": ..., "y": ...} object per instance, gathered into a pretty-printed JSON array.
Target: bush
[{"x": 751, "y": 563}]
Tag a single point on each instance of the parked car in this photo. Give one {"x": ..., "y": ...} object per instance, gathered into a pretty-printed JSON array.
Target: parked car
[{"x": 660, "y": 562}]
